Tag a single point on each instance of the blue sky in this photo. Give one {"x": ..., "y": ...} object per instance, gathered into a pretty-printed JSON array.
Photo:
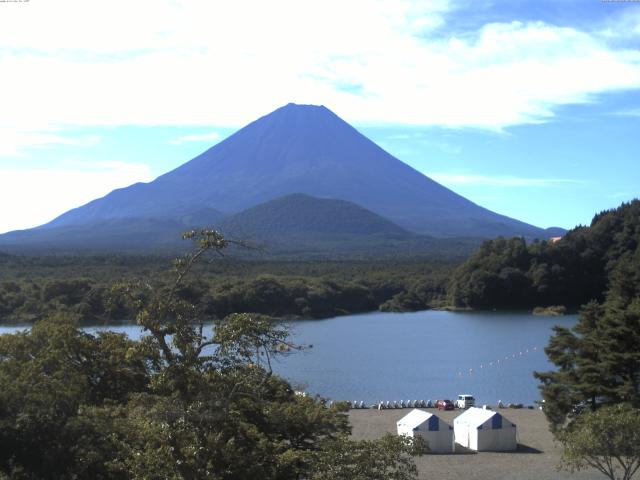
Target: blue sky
[{"x": 529, "y": 108}]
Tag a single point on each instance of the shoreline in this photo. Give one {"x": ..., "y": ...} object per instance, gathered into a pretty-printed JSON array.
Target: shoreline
[{"x": 537, "y": 311}]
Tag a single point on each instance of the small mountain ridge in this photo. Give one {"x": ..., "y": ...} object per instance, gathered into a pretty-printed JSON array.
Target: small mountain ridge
[
  {"x": 555, "y": 232},
  {"x": 303, "y": 215}
]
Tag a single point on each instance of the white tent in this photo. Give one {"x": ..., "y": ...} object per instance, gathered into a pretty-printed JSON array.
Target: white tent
[
  {"x": 484, "y": 430},
  {"x": 438, "y": 434}
]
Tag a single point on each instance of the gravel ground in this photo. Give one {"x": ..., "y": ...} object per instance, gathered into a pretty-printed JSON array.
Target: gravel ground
[{"x": 535, "y": 459}]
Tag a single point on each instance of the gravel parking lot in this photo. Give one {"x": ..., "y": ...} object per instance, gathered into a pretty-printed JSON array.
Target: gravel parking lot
[{"x": 535, "y": 459}]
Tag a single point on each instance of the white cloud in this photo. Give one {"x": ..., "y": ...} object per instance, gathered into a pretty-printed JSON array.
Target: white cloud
[
  {"x": 424, "y": 139},
  {"x": 14, "y": 141},
  {"x": 162, "y": 62},
  {"x": 623, "y": 25},
  {"x": 498, "y": 181},
  {"x": 634, "y": 112},
  {"x": 44, "y": 193},
  {"x": 196, "y": 137}
]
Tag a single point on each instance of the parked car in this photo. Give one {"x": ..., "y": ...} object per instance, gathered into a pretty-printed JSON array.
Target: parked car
[
  {"x": 465, "y": 401},
  {"x": 444, "y": 405}
]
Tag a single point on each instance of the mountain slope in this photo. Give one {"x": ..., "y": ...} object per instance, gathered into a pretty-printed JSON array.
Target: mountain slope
[
  {"x": 293, "y": 226},
  {"x": 109, "y": 234},
  {"x": 308, "y": 149}
]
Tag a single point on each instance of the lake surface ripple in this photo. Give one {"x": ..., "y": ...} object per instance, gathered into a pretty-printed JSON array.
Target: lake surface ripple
[{"x": 411, "y": 356}]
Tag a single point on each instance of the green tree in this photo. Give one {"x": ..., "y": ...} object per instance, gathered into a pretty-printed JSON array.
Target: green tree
[
  {"x": 607, "y": 440},
  {"x": 214, "y": 404},
  {"x": 49, "y": 376},
  {"x": 512, "y": 273},
  {"x": 389, "y": 458},
  {"x": 181, "y": 403},
  {"x": 598, "y": 360}
]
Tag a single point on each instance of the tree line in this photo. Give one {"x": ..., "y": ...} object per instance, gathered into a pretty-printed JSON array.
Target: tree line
[
  {"x": 514, "y": 273},
  {"x": 31, "y": 288},
  {"x": 502, "y": 273}
]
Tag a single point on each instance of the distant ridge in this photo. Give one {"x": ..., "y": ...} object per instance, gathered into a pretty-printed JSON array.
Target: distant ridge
[
  {"x": 554, "y": 232},
  {"x": 295, "y": 149},
  {"x": 303, "y": 215},
  {"x": 300, "y": 225}
]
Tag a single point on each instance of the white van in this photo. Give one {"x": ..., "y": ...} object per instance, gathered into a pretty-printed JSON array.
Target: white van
[{"x": 465, "y": 401}]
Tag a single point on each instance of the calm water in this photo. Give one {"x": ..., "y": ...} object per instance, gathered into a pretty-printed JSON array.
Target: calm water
[{"x": 421, "y": 355}]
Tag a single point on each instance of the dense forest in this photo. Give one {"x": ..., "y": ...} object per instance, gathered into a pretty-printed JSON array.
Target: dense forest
[
  {"x": 31, "y": 288},
  {"x": 502, "y": 273},
  {"x": 511, "y": 273}
]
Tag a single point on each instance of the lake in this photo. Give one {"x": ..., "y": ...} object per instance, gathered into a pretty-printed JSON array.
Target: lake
[{"x": 420, "y": 355}]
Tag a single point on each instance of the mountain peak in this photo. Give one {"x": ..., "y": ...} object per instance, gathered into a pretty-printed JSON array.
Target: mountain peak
[
  {"x": 302, "y": 149},
  {"x": 302, "y": 106},
  {"x": 301, "y": 114}
]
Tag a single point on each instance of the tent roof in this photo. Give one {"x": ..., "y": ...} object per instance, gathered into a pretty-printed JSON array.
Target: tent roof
[
  {"x": 415, "y": 418},
  {"x": 475, "y": 416}
]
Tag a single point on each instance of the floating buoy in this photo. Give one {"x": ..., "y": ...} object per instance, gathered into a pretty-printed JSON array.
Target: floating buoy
[{"x": 498, "y": 362}]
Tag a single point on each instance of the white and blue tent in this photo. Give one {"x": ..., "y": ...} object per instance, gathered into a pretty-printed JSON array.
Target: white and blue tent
[
  {"x": 437, "y": 433},
  {"x": 485, "y": 430}
]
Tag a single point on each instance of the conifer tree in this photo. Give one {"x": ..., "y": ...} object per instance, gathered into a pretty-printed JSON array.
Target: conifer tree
[{"x": 598, "y": 359}]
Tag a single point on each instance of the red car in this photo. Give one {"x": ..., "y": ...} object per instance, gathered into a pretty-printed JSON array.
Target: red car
[{"x": 444, "y": 405}]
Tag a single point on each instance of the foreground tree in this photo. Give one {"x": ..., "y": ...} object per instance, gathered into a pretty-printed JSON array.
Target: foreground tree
[
  {"x": 389, "y": 458},
  {"x": 607, "y": 440},
  {"x": 598, "y": 360},
  {"x": 592, "y": 400},
  {"x": 215, "y": 408},
  {"x": 185, "y": 402},
  {"x": 51, "y": 378}
]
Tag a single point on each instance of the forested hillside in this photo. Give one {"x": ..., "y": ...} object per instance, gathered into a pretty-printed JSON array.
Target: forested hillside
[
  {"x": 304, "y": 215},
  {"x": 511, "y": 273}
]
